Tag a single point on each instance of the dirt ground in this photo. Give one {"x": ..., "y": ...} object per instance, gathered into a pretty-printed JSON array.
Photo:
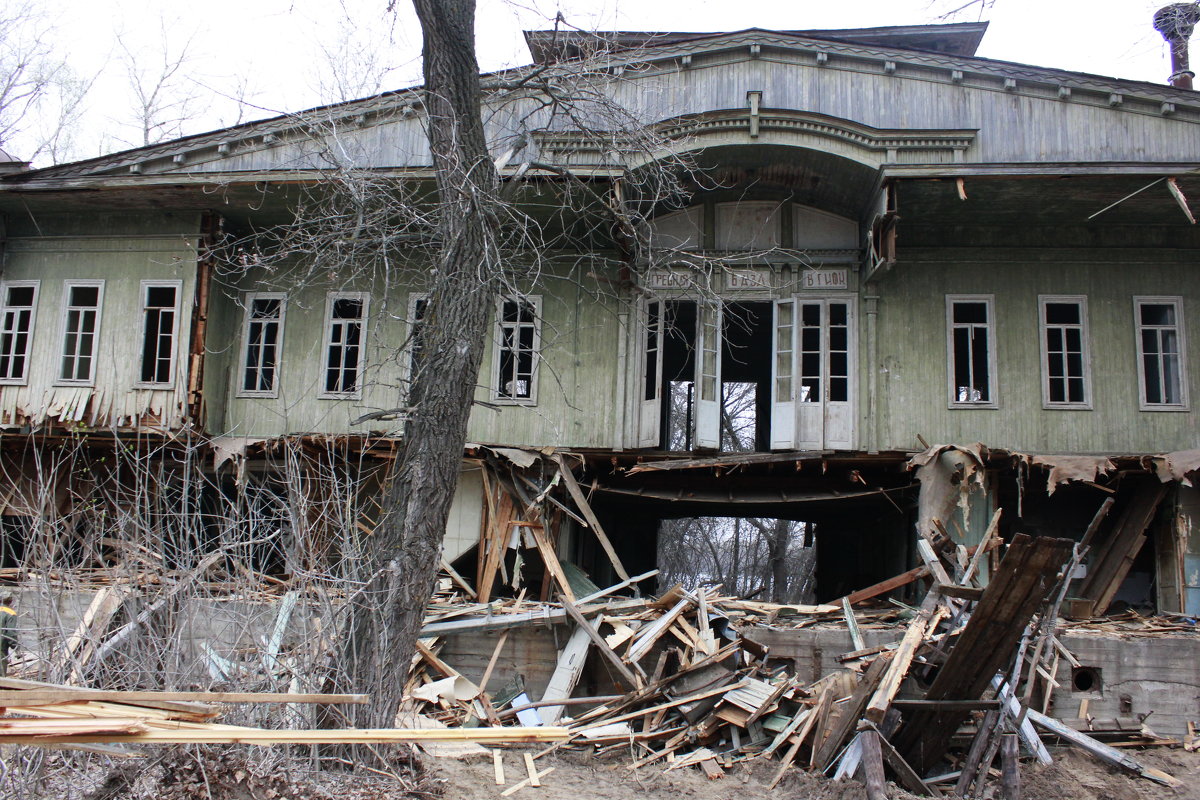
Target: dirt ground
[
  {"x": 1072, "y": 776},
  {"x": 575, "y": 776}
]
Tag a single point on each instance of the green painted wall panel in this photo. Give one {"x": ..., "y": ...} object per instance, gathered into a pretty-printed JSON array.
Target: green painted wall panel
[{"x": 913, "y": 393}]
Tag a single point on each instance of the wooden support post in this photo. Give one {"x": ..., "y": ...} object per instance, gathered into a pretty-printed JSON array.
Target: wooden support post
[
  {"x": 872, "y": 763},
  {"x": 1010, "y": 768}
]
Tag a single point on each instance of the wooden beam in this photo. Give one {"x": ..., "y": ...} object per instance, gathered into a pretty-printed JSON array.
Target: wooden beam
[
  {"x": 203, "y": 735},
  {"x": 872, "y": 763},
  {"x": 632, "y": 680},
  {"x": 550, "y": 558},
  {"x": 927, "y": 618},
  {"x": 46, "y": 697},
  {"x": 903, "y": 579},
  {"x": 586, "y": 509}
]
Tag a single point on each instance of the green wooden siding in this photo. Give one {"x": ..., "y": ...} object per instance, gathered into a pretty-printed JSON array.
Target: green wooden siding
[
  {"x": 123, "y": 251},
  {"x": 912, "y": 345}
]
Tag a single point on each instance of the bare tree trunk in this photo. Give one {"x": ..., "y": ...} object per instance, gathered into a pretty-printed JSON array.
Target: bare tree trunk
[
  {"x": 777, "y": 551},
  {"x": 388, "y": 611}
]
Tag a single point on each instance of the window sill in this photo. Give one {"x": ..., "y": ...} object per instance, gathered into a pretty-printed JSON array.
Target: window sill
[
  {"x": 514, "y": 401},
  {"x": 1164, "y": 407},
  {"x": 969, "y": 406},
  {"x": 157, "y": 387},
  {"x": 75, "y": 384},
  {"x": 339, "y": 396},
  {"x": 14, "y": 381},
  {"x": 1067, "y": 406},
  {"x": 274, "y": 395}
]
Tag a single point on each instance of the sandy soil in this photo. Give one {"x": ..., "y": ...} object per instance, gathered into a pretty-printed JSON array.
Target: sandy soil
[
  {"x": 1072, "y": 776},
  {"x": 575, "y": 776}
]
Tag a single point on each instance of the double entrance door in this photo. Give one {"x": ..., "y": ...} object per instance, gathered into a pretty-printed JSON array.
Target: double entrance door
[{"x": 744, "y": 375}]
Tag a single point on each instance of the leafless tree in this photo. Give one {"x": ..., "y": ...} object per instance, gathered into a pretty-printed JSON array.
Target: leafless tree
[
  {"x": 41, "y": 97},
  {"x": 163, "y": 96},
  {"x": 478, "y": 230}
]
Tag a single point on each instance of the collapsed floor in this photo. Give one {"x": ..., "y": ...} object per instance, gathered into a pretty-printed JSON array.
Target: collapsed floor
[{"x": 856, "y": 685}]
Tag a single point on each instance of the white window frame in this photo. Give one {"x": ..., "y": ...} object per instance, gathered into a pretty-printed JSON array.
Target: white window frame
[
  {"x": 145, "y": 287},
  {"x": 1085, "y": 343},
  {"x": 244, "y": 361},
  {"x": 1177, "y": 302},
  {"x": 327, "y": 339},
  {"x": 23, "y": 378},
  {"x": 993, "y": 378},
  {"x": 68, "y": 285},
  {"x": 497, "y": 345}
]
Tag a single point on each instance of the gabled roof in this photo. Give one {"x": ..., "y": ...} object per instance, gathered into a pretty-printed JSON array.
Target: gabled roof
[
  {"x": 957, "y": 39},
  {"x": 898, "y": 51}
]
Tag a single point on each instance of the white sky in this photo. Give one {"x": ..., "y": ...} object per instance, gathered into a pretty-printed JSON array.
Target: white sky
[{"x": 275, "y": 45}]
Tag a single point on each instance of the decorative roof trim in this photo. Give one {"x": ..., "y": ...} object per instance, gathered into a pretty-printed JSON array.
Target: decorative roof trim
[{"x": 889, "y": 142}]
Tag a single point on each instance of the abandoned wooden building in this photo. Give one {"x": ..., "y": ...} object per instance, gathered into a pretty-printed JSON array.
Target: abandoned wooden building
[{"x": 899, "y": 287}]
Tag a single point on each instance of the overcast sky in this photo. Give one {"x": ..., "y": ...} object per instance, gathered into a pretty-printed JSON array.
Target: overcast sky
[{"x": 275, "y": 47}]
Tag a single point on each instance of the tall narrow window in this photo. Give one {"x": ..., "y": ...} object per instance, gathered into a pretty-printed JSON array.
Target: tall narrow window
[
  {"x": 518, "y": 332},
  {"x": 82, "y": 301},
  {"x": 262, "y": 333},
  {"x": 1162, "y": 374},
  {"x": 345, "y": 321},
  {"x": 16, "y": 329},
  {"x": 160, "y": 314},
  {"x": 1065, "y": 379},
  {"x": 971, "y": 351}
]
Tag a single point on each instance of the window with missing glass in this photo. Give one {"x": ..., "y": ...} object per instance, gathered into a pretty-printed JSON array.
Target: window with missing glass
[
  {"x": 82, "y": 302},
  {"x": 345, "y": 329},
  {"x": 160, "y": 315},
  {"x": 16, "y": 329},
  {"x": 971, "y": 351},
  {"x": 1162, "y": 366},
  {"x": 1066, "y": 367},
  {"x": 262, "y": 335},
  {"x": 514, "y": 359}
]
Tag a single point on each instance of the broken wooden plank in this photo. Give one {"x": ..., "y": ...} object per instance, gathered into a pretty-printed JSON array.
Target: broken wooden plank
[
  {"x": 586, "y": 509},
  {"x": 632, "y": 680},
  {"x": 903, "y": 579},
  {"x": 851, "y": 712},
  {"x": 1107, "y": 754},
  {"x": 856, "y": 639},
  {"x": 1125, "y": 541},
  {"x": 646, "y": 640},
  {"x": 1025, "y": 577},
  {"x": 918, "y": 630},
  {"x": 205, "y": 734},
  {"x": 518, "y": 786},
  {"x": 45, "y": 697},
  {"x": 566, "y": 674}
]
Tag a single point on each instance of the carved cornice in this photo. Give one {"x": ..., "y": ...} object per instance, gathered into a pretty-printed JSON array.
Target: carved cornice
[{"x": 937, "y": 145}]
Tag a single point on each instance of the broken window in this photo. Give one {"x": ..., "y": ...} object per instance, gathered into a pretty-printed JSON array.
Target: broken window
[
  {"x": 82, "y": 301},
  {"x": 16, "y": 329},
  {"x": 159, "y": 314},
  {"x": 345, "y": 320},
  {"x": 263, "y": 335},
  {"x": 518, "y": 333},
  {"x": 1065, "y": 379},
  {"x": 1160, "y": 352},
  {"x": 971, "y": 350}
]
